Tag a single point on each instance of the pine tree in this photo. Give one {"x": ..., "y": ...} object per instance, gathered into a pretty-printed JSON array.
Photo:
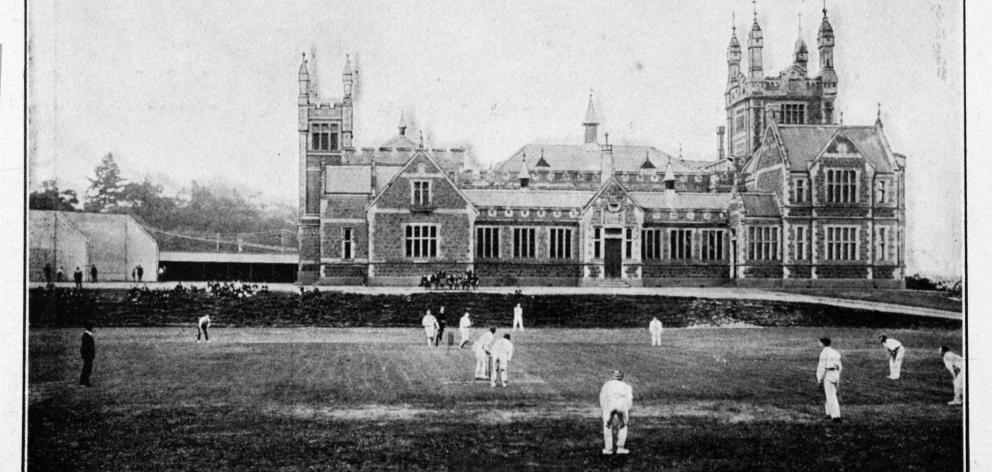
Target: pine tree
[{"x": 105, "y": 190}]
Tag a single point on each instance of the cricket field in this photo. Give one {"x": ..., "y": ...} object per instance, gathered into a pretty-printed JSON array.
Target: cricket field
[{"x": 286, "y": 399}]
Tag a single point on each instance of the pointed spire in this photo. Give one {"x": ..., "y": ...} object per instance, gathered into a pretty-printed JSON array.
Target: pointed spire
[
  {"x": 825, "y": 24},
  {"x": 680, "y": 152},
  {"x": 842, "y": 117},
  {"x": 541, "y": 162},
  {"x": 347, "y": 66},
  {"x": 421, "y": 140},
  {"x": 878, "y": 116},
  {"x": 591, "y": 112},
  {"x": 754, "y": 6},
  {"x": 647, "y": 161},
  {"x": 734, "y": 43},
  {"x": 402, "y": 126},
  {"x": 303, "y": 65}
]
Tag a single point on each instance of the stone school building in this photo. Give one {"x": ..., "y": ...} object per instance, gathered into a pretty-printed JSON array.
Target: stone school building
[{"x": 790, "y": 198}]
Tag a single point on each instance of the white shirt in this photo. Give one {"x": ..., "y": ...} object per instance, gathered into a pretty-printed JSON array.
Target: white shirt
[
  {"x": 952, "y": 361},
  {"x": 429, "y": 322},
  {"x": 482, "y": 342},
  {"x": 465, "y": 322},
  {"x": 204, "y": 321},
  {"x": 655, "y": 326},
  {"x": 518, "y": 312},
  {"x": 616, "y": 395},
  {"x": 829, "y": 360},
  {"x": 502, "y": 349},
  {"x": 892, "y": 345}
]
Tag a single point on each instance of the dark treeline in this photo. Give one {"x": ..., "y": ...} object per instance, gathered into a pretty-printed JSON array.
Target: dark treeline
[{"x": 202, "y": 209}]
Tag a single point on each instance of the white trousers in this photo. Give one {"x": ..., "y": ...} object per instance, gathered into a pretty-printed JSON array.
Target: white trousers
[
  {"x": 958, "y": 386},
  {"x": 431, "y": 333},
  {"x": 481, "y": 364},
  {"x": 464, "y": 333},
  {"x": 498, "y": 369},
  {"x": 895, "y": 363},
  {"x": 830, "y": 380},
  {"x": 518, "y": 322},
  {"x": 656, "y": 339}
]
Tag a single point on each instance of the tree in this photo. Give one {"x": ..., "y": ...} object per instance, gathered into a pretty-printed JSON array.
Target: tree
[
  {"x": 146, "y": 201},
  {"x": 51, "y": 198},
  {"x": 105, "y": 190}
]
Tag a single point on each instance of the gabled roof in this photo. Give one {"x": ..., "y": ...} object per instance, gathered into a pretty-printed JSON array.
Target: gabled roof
[
  {"x": 760, "y": 205},
  {"x": 534, "y": 198},
  {"x": 804, "y": 143},
  {"x": 682, "y": 200},
  {"x": 443, "y": 174},
  {"x": 568, "y": 157}
]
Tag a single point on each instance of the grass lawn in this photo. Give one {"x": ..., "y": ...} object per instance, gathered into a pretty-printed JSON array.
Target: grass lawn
[
  {"x": 373, "y": 399},
  {"x": 921, "y": 298}
]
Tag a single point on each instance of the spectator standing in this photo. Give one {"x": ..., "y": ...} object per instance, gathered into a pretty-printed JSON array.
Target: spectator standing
[
  {"x": 48, "y": 274},
  {"x": 77, "y": 277},
  {"x": 93, "y": 272},
  {"x": 141, "y": 272},
  {"x": 87, "y": 351},
  {"x": 60, "y": 275}
]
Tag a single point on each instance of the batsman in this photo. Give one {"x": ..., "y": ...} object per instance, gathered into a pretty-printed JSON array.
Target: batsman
[{"x": 482, "y": 356}]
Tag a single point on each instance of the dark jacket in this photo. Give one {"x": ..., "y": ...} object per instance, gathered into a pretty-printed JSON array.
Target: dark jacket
[{"x": 88, "y": 348}]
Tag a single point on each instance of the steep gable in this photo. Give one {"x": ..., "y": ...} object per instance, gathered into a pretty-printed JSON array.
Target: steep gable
[{"x": 421, "y": 167}]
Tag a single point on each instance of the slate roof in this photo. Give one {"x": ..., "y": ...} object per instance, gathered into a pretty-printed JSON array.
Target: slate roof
[
  {"x": 760, "y": 205},
  {"x": 587, "y": 158},
  {"x": 803, "y": 143},
  {"x": 349, "y": 179},
  {"x": 399, "y": 141},
  {"x": 516, "y": 198},
  {"x": 682, "y": 200}
]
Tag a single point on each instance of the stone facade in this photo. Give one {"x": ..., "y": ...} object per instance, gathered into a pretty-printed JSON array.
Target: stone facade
[{"x": 800, "y": 201}]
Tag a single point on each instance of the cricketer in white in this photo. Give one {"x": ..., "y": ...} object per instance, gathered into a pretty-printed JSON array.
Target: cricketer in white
[
  {"x": 896, "y": 353},
  {"x": 481, "y": 348},
  {"x": 502, "y": 353},
  {"x": 828, "y": 375},
  {"x": 463, "y": 328},
  {"x": 655, "y": 328},
  {"x": 955, "y": 364},
  {"x": 429, "y": 323},
  {"x": 616, "y": 399}
]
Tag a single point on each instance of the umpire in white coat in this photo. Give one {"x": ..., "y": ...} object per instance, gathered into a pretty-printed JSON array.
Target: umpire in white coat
[
  {"x": 828, "y": 376},
  {"x": 481, "y": 349}
]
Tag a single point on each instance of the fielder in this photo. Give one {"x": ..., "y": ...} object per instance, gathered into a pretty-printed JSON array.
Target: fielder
[
  {"x": 655, "y": 328},
  {"x": 896, "y": 352},
  {"x": 616, "y": 399},
  {"x": 430, "y": 328},
  {"x": 518, "y": 317},
  {"x": 463, "y": 328},
  {"x": 955, "y": 364},
  {"x": 202, "y": 324},
  {"x": 501, "y": 352},
  {"x": 481, "y": 348},
  {"x": 828, "y": 376}
]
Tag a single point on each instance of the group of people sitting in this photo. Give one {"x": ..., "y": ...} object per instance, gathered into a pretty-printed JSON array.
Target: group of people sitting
[
  {"x": 442, "y": 280},
  {"x": 235, "y": 289}
]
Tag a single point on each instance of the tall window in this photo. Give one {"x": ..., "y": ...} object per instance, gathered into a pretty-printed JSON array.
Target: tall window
[
  {"x": 421, "y": 241},
  {"x": 487, "y": 243},
  {"x": 523, "y": 243},
  {"x": 421, "y": 192},
  {"x": 793, "y": 114},
  {"x": 323, "y": 137},
  {"x": 740, "y": 119},
  {"x": 880, "y": 191},
  {"x": 762, "y": 243},
  {"x": 712, "y": 245},
  {"x": 680, "y": 244},
  {"x": 560, "y": 243},
  {"x": 651, "y": 245},
  {"x": 628, "y": 239},
  {"x": 842, "y": 186},
  {"x": 801, "y": 243},
  {"x": 346, "y": 243},
  {"x": 800, "y": 191},
  {"x": 842, "y": 243},
  {"x": 881, "y": 244},
  {"x": 597, "y": 241}
]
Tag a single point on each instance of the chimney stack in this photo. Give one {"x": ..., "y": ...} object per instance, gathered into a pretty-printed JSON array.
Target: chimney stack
[{"x": 720, "y": 131}]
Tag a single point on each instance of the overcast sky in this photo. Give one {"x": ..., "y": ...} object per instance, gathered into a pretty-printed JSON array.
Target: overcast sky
[{"x": 208, "y": 89}]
